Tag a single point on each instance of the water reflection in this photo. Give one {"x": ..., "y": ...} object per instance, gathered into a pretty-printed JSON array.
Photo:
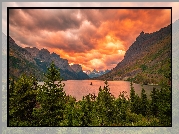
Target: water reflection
[{"x": 80, "y": 88}]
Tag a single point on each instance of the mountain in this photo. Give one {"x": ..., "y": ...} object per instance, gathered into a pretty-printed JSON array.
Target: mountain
[
  {"x": 34, "y": 61},
  {"x": 21, "y": 61},
  {"x": 44, "y": 56},
  {"x": 148, "y": 59},
  {"x": 78, "y": 69},
  {"x": 94, "y": 73}
]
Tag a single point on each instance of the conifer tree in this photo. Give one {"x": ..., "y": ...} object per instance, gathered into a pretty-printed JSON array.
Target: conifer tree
[
  {"x": 135, "y": 100},
  {"x": 86, "y": 104},
  {"x": 144, "y": 103},
  {"x": 70, "y": 112},
  {"x": 164, "y": 106},
  {"x": 22, "y": 100},
  {"x": 105, "y": 108},
  {"x": 121, "y": 106},
  {"x": 132, "y": 96},
  {"x": 51, "y": 98},
  {"x": 154, "y": 106}
]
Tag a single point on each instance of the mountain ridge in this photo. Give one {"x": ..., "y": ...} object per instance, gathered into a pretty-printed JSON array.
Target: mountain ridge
[
  {"x": 146, "y": 60},
  {"x": 34, "y": 61}
]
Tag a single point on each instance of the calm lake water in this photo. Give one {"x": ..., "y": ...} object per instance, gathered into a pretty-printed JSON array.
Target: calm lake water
[{"x": 80, "y": 88}]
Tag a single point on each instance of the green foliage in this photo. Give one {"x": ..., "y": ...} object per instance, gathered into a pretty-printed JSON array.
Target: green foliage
[
  {"x": 121, "y": 106},
  {"x": 70, "y": 113},
  {"x": 15, "y": 61},
  {"x": 19, "y": 66},
  {"x": 144, "y": 103},
  {"x": 22, "y": 99},
  {"x": 161, "y": 105},
  {"x": 105, "y": 105},
  {"x": 52, "y": 99},
  {"x": 47, "y": 105},
  {"x": 133, "y": 98},
  {"x": 154, "y": 102},
  {"x": 143, "y": 67}
]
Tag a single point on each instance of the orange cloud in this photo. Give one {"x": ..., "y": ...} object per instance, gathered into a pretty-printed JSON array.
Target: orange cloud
[{"x": 96, "y": 39}]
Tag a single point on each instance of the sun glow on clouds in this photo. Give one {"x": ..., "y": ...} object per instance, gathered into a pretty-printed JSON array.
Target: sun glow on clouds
[{"x": 95, "y": 39}]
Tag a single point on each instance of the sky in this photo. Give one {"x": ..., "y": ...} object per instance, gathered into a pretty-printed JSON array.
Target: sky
[{"x": 94, "y": 38}]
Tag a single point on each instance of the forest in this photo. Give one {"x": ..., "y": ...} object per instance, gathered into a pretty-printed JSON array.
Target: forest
[{"x": 30, "y": 104}]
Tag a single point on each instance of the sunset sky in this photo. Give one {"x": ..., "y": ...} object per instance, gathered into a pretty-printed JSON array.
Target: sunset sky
[{"x": 94, "y": 38}]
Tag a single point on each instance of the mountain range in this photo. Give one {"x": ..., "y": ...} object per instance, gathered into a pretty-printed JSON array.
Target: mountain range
[
  {"x": 94, "y": 73},
  {"x": 147, "y": 61},
  {"x": 34, "y": 61}
]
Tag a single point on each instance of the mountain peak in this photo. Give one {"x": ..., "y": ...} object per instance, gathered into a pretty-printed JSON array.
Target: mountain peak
[
  {"x": 145, "y": 58},
  {"x": 34, "y": 51},
  {"x": 55, "y": 55},
  {"x": 35, "y": 61},
  {"x": 142, "y": 33},
  {"x": 76, "y": 67}
]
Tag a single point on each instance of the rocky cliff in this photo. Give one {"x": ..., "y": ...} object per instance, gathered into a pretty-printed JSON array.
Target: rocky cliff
[
  {"x": 76, "y": 67},
  {"x": 148, "y": 59},
  {"x": 34, "y": 61},
  {"x": 44, "y": 56},
  {"x": 21, "y": 62}
]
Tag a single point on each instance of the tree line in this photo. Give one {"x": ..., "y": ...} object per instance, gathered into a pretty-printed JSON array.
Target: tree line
[{"x": 31, "y": 104}]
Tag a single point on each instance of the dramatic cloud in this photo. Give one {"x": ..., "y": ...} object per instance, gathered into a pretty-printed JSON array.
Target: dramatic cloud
[{"x": 94, "y": 38}]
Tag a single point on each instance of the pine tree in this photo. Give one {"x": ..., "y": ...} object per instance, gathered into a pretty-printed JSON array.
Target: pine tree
[
  {"x": 121, "y": 106},
  {"x": 132, "y": 92},
  {"x": 86, "y": 108},
  {"x": 105, "y": 106},
  {"x": 22, "y": 101},
  {"x": 70, "y": 113},
  {"x": 154, "y": 106},
  {"x": 164, "y": 106},
  {"x": 132, "y": 97},
  {"x": 144, "y": 103},
  {"x": 135, "y": 100},
  {"x": 52, "y": 99}
]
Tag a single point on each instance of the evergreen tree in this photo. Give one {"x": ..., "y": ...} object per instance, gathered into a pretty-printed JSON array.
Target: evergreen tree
[
  {"x": 48, "y": 105},
  {"x": 22, "y": 100},
  {"x": 135, "y": 100},
  {"x": 121, "y": 106},
  {"x": 161, "y": 105},
  {"x": 105, "y": 106},
  {"x": 52, "y": 99},
  {"x": 86, "y": 106},
  {"x": 164, "y": 106},
  {"x": 154, "y": 106},
  {"x": 132, "y": 96},
  {"x": 144, "y": 103},
  {"x": 70, "y": 113}
]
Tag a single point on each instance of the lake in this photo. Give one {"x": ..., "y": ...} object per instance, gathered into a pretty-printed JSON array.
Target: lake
[{"x": 80, "y": 88}]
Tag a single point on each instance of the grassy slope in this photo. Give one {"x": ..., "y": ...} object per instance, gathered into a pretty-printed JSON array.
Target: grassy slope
[{"x": 152, "y": 67}]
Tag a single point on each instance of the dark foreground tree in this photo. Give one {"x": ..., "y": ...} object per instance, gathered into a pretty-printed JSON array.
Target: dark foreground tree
[
  {"x": 47, "y": 105},
  {"x": 52, "y": 99},
  {"x": 105, "y": 106},
  {"x": 160, "y": 105},
  {"x": 22, "y": 99},
  {"x": 144, "y": 103}
]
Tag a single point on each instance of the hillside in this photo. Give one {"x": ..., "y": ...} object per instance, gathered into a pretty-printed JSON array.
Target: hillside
[
  {"x": 148, "y": 59},
  {"x": 21, "y": 61},
  {"x": 34, "y": 61},
  {"x": 43, "y": 59}
]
